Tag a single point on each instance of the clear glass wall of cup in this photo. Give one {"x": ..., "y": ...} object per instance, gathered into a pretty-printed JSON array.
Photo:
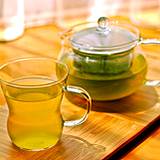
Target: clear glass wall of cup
[
  {"x": 11, "y": 19},
  {"x": 33, "y": 88}
]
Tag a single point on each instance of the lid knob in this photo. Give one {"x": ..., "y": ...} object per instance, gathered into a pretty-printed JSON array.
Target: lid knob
[{"x": 103, "y": 25}]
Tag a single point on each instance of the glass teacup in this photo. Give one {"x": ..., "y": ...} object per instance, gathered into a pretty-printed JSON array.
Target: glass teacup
[{"x": 33, "y": 88}]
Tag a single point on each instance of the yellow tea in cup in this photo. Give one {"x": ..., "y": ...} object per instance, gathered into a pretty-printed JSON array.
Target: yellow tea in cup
[
  {"x": 35, "y": 110},
  {"x": 34, "y": 93}
]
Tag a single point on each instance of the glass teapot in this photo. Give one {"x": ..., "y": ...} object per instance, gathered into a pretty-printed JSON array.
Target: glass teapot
[{"x": 102, "y": 60}]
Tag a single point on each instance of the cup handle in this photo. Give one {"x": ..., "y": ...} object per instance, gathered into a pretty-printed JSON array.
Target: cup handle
[
  {"x": 84, "y": 93},
  {"x": 149, "y": 41},
  {"x": 152, "y": 83}
]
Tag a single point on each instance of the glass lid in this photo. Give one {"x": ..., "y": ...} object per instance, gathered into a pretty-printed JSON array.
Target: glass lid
[{"x": 104, "y": 37}]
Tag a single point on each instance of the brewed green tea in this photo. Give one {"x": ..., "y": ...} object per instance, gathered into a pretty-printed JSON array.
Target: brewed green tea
[
  {"x": 35, "y": 121},
  {"x": 104, "y": 87}
]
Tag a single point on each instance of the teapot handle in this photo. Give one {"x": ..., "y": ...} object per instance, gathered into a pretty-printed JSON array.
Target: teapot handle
[
  {"x": 152, "y": 83},
  {"x": 149, "y": 41}
]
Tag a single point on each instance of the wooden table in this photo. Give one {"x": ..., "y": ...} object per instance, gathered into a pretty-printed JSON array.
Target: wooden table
[
  {"x": 110, "y": 126},
  {"x": 148, "y": 150}
]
